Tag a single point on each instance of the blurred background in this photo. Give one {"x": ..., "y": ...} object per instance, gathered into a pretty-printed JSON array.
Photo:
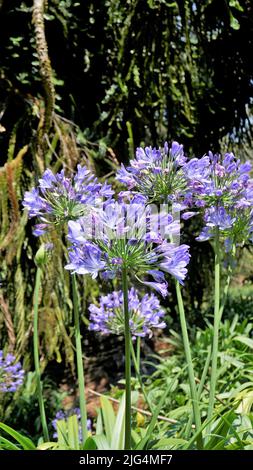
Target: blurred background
[{"x": 90, "y": 81}]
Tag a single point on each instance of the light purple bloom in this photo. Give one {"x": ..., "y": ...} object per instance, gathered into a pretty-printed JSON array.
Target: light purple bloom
[
  {"x": 145, "y": 314},
  {"x": 48, "y": 180},
  {"x": 222, "y": 189},
  {"x": 177, "y": 152},
  {"x": 125, "y": 177},
  {"x": 188, "y": 215},
  {"x": 128, "y": 235},
  {"x": 204, "y": 235},
  {"x": 218, "y": 217},
  {"x": 34, "y": 203},
  {"x": 11, "y": 373},
  {"x": 160, "y": 287},
  {"x": 176, "y": 262},
  {"x": 59, "y": 198},
  {"x": 197, "y": 170},
  {"x": 156, "y": 173},
  {"x": 86, "y": 260}
]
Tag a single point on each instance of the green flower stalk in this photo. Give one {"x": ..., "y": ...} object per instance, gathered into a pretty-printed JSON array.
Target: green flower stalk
[
  {"x": 217, "y": 318},
  {"x": 40, "y": 259},
  {"x": 187, "y": 349},
  {"x": 79, "y": 360},
  {"x": 127, "y": 362},
  {"x": 138, "y": 353}
]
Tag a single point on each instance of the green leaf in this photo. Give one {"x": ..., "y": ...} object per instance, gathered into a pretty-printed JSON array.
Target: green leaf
[
  {"x": 25, "y": 442},
  {"x": 5, "y": 444},
  {"x": 118, "y": 437},
  {"x": 169, "y": 443},
  {"x": 221, "y": 431},
  {"x": 47, "y": 446},
  {"x": 135, "y": 436},
  {"x": 245, "y": 340},
  {"x": 73, "y": 432},
  {"x": 236, "y": 4},
  {"x": 234, "y": 23},
  {"x": 101, "y": 442},
  {"x": 108, "y": 417},
  {"x": 62, "y": 432},
  {"x": 153, "y": 421},
  {"x": 90, "y": 444},
  {"x": 99, "y": 423}
]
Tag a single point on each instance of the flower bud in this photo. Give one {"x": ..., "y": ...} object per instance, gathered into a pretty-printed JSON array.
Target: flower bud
[{"x": 42, "y": 254}]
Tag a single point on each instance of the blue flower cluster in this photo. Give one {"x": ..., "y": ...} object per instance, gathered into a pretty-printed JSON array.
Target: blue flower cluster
[
  {"x": 157, "y": 173},
  {"x": 145, "y": 313},
  {"x": 218, "y": 187},
  {"x": 58, "y": 198},
  {"x": 11, "y": 373},
  {"x": 223, "y": 192},
  {"x": 130, "y": 237},
  {"x": 109, "y": 234}
]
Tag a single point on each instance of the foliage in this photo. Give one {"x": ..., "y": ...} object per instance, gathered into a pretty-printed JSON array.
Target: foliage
[{"x": 235, "y": 366}]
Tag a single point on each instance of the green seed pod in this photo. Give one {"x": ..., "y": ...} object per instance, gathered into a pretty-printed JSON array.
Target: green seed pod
[{"x": 41, "y": 256}]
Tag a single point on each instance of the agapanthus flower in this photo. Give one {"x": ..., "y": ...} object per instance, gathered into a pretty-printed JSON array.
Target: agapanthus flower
[
  {"x": 215, "y": 217},
  {"x": 157, "y": 173},
  {"x": 59, "y": 198},
  {"x": 128, "y": 236},
  {"x": 145, "y": 314},
  {"x": 217, "y": 180},
  {"x": 222, "y": 192},
  {"x": 235, "y": 227},
  {"x": 11, "y": 373},
  {"x": 64, "y": 415}
]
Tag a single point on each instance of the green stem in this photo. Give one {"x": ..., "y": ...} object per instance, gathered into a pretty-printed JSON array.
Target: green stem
[
  {"x": 200, "y": 388},
  {"x": 193, "y": 388},
  {"x": 205, "y": 371},
  {"x": 138, "y": 352},
  {"x": 79, "y": 360},
  {"x": 217, "y": 316},
  {"x": 227, "y": 283},
  {"x": 36, "y": 355},
  {"x": 137, "y": 370},
  {"x": 127, "y": 362}
]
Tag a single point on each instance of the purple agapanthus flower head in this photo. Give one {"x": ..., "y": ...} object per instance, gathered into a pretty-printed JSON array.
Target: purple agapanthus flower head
[
  {"x": 11, "y": 373},
  {"x": 145, "y": 314},
  {"x": 129, "y": 236},
  {"x": 218, "y": 217},
  {"x": 221, "y": 191},
  {"x": 64, "y": 415},
  {"x": 217, "y": 180},
  {"x": 58, "y": 198},
  {"x": 156, "y": 173}
]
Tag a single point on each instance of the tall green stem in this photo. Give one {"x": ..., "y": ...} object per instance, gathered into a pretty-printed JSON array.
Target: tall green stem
[
  {"x": 36, "y": 355},
  {"x": 138, "y": 352},
  {"x": 193, "y": 388},
  {"x": 200, "y": 388},
  {"x": 137, "y": 370},
  {"x": 217, "y": 316},
  {"x": 127, "y": 362},
  {"x": 224, "y": 295},
  {"x": 79, "y": 360}
]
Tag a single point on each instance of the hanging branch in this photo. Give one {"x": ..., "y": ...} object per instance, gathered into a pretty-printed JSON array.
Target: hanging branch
[{"x": 47, "y": 78}]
